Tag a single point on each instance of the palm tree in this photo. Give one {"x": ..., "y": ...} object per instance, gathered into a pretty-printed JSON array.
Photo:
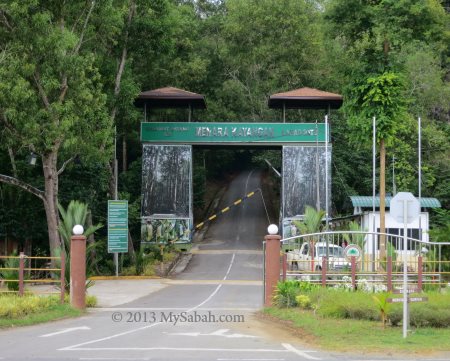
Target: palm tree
[
  {"x": 312, "y": 221},
  {"x": 76, "y": 213}
]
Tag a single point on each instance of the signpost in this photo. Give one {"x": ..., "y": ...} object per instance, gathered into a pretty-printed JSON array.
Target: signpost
[
  {"x": 352, "y": 250},
  {"x": 405, "y": 208},
  {"x": 117, "y": 226}
]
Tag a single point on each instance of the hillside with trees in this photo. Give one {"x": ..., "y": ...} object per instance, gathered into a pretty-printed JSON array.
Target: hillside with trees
[{"x": 70, "y": 72}]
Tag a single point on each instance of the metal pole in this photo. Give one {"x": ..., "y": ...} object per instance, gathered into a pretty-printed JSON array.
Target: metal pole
[
  {"x": 394, "y": 188},
  {"x": 374, "y": 147},
  {"x": 420, "y": 176},
  {"x": 326, "y": 172},
  {"x": 317, "y": 170},
  {"x": 284, "y": 112},
  {"x": 405, "y": 269},
  {"x": 116, "y": 176}
]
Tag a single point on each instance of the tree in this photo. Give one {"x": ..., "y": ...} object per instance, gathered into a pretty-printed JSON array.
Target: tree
[
  {"x": 51, "y": 99},
  {"x": 312, "y": 222},
  {"x": 379, "y": 39},
  {"x": 379, "y": 97}
]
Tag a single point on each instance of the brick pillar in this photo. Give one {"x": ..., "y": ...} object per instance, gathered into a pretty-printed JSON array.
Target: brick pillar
[
  {"x": 78, "y": 272},
  {"x": 272, "y": 267}
]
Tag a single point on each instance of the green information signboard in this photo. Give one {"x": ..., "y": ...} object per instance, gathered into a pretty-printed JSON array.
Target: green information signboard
[
  {"x": 230, "y": 133},
  {"x": 117, "y": 226}
]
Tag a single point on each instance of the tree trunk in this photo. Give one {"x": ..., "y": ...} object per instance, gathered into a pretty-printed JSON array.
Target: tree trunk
[
  {"x": 131, "y": 252},
  {"x": 91, "y": 240},
  {"x": 382, "y": 198},
  {"x": 49, "y": 164},
  {"x": 124, "y": 153}
]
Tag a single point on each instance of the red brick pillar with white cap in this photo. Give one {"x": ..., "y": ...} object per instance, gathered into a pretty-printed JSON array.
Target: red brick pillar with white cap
[
  {"x": 78, "y": 268},
  {"x": 271, "y": 264}
]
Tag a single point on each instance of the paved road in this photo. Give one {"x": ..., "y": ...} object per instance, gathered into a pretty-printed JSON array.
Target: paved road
[{"x": 203, "y": 314}]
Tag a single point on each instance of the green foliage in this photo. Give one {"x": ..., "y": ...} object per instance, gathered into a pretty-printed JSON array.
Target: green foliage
[
  {"x": 383, "y": 305},
  {"x": 11, "y": 276},
  {"x": 381, "y": 97},
  {"x": 13, "y": 306},
  {"x": 287, "y": 292},
  {"x": 303, "y": 301},
  {"x": 312, "y": 221},
  {"x": 76, "y": 213},
  {"x": 358, "y": 239},
  {"x": 388, "y": 58},
  {"x": 335, "y": 303},
  {"x": 434, "y": 313}
]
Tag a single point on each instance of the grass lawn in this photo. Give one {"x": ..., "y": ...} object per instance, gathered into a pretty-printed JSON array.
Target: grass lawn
[
  {"x": 32, "y": 309},
  {"x": 360, "y": 335},
  {"x": 51, "y": 314}
]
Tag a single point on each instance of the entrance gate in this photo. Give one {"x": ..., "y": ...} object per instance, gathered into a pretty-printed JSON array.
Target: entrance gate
[{"x": 167, "y": 158}]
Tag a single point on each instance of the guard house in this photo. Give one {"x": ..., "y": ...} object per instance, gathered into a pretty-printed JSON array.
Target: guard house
[
  {"x": 370, "y": 221},
  {"x": 306, "y": 168}
]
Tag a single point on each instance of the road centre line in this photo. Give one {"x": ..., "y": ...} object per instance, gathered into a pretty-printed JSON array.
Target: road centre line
[
  {"x": 216, "y": 282},
  {"x": 114, "y": 358},
  {"x": 229, "y": 268},
  {"x": 250, "y": 359},
  {"x": 304, "y": 354},
  {"x": 226, "y": 251},
  {"x": 195, "y": 349},
  {"x": 76, "y": 347},
  {"x": 112, "y": 309}
]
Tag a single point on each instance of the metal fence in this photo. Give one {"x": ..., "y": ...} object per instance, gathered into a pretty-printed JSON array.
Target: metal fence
[
  {"x": 321, "y": 258},
  {"x": 17, "y": 271}
]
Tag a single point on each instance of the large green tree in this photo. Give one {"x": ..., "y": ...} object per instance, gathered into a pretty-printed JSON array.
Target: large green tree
[
  {"x": 51, "y": 98},
  {"x": 381, "y": 42}
]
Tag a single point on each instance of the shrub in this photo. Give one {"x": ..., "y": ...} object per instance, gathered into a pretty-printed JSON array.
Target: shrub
[
  {"x": 91, "y": 301},
  {"x": 303, "y": 301},
  {"x": 13, "y": 306},
  {"x": 286, "y": 293},
  {"x": 11, "y": 276},
  {"x": 383, "y": 305}
]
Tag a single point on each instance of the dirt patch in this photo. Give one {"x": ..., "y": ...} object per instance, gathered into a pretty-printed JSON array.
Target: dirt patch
[{"x": 274, "y": 329}]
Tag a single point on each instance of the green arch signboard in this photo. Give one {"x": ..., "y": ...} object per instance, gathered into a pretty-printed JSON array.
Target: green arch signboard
[{"x": 232, "y": 133}]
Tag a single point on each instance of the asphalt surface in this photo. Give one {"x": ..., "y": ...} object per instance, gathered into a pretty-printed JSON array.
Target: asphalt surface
[{"x": 205, "y": 313}]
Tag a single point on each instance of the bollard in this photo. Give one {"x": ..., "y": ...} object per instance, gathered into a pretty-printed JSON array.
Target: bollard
[
  {"x": 272, "y": 265},
  {"x": 78, "y": 270}
]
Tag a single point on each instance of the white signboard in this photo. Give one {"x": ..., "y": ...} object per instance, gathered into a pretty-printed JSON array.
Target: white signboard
[{"x": 397, "y": 207}]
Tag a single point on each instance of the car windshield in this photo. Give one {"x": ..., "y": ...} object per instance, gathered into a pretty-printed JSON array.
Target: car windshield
[{"x": 333, "y": 251}]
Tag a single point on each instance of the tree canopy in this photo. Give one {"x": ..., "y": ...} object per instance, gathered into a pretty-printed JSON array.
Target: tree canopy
[{"x": 70, "y": 71}]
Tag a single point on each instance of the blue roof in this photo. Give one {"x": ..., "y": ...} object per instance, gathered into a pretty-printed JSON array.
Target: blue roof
[{"x": 366, "y": 202}]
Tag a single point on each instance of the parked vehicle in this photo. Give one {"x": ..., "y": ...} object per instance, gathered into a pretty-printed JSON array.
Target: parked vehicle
[{"x": 303, "y": 259}]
